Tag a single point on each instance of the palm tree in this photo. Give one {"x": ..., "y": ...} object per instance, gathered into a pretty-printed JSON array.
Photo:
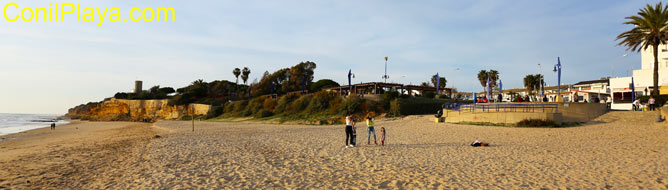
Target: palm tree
[
  {"x": 482, "y": 77},
  {"x": 245, "y": 73},
  {"x": 441, "y": 84},
  {"x": 493, "y": 77},
  {"x": 236, "y": 73},
  {"x": 533, "y": 82},
  {"x": 530, "y": 82},
  {"x": 650, "y": 30}
]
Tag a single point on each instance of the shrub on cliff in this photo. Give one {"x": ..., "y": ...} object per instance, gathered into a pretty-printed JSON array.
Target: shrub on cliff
[
  {"x": 300, "y": 104},
  {"x": 229, "y": 107},
  {"x": 320, "y": 101},
  {"x": 269, "y": 104},
  {"x": 263, "y": 113},
  {"x": 254, "y": 105},
  {"x": 395, "y": 109},
  {"x": 350, "y": 105},
  {"x": 284, "y": 102},
  {"x": 215, "y": 111},
  {"x": 388, "y": 96},
  {"x": 240, "y": 106}
]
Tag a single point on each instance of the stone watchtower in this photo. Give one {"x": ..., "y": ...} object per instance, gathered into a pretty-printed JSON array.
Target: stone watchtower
[{"x": 137, "y": 86}]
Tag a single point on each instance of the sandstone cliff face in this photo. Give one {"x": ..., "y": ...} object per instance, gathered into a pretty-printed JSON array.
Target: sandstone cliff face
[{"x": 134, "y": 110}]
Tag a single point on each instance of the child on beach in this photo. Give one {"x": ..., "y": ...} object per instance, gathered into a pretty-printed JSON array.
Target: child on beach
[
  {"x": 382, "y": 136},
  {"x": 370, "y": 129},
  {"x": 354, "y": 141}
]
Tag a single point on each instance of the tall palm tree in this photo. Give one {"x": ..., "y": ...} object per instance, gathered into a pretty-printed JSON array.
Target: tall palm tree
[
  {"x": 245, "y": 73},
  {"x": 530, "y": 82},
  {"x": 650, "y": 30},
  {"x": 493, "y": 77},
  {"x": 236, "y": 73},
  {"x": 482, "y": 77}
]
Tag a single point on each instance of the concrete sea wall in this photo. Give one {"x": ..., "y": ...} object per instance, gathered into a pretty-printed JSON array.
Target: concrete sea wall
[{"x": 567, "y": 113}]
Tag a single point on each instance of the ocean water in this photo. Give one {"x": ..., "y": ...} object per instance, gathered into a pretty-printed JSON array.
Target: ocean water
[{"x": 16, "y": 123}]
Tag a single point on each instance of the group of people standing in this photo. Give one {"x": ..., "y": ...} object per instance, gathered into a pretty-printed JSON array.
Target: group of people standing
[
  {"x": 651, "y": 103},
  {"x": 351, "y": 131}
]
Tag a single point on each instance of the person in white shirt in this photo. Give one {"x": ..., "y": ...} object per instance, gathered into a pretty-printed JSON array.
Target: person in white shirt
[
  {"x": 636, "y": 105},
  {"x": 349, "y": 131}
]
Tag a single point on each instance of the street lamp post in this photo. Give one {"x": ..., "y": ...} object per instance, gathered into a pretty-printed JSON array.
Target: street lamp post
[
  {"x": 385, "y": 76},
  {"x": 557, "y": 69},
  {"x": 540, "y": 70},
  {"x": 612, "y": 73}
]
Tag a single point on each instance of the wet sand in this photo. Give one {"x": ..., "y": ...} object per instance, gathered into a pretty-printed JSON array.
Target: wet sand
[{"x": 619, "y": 150}]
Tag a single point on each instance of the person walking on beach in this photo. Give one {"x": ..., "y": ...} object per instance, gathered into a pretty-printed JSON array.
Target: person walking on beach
[
  {"x": 349, "y": 130},
  {"x": 370, "y": 129},
  {"x": 651, "y": 102},
  {"x": 53, "y": 126}
]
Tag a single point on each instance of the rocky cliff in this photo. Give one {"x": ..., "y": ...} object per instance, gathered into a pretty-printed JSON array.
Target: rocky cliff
[{"x": 134, "y": 110}]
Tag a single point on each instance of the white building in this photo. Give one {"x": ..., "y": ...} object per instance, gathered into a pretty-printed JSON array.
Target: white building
[
  {"x": 644, "y": 77},
  {"x": 621, "y": 93}
]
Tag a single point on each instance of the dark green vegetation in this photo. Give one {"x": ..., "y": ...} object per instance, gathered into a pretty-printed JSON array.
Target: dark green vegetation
[
  {"x": 537, "y": 123},
  {"x": 323, "y": 83},
  {"x": 533, "y": 82},
  {"x": 493, "y": 76},
  {"x": 289, "y": 94},
  {"x": 650, "y": 29},
  {"x": 153, "y": 93},
  {"x": 327, "y": 107}
]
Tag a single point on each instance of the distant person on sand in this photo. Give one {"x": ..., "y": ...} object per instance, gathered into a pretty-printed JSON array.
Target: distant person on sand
[
  {"x": 53, "y": 126},
  {"x": 370, "y": 129},
  {"x": 349, "y": 130},
  {"x": 651, "y": 102}
]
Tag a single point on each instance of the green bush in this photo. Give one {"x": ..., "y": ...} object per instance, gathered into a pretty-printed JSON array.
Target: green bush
[
  {"x": 387, "y": 98},
  {"x": 420, "y": 105},
  {"x": 320, "y": 101},
  {"x": 215, "y": 111},
  {"x": 350, "y": 105},
  {"x": 536, "y": 123},
  {"x": 269, "y": 104},
  {"x": 263, "y": 113},
  {"x": 240, "y": 106},
  {"x": 229, "y": 107},
  {"x": 429, "y": 94},
  {"x": 443, "y": 96},
  {"x": 395, "y": 109},
  {"x": 254, "y": 106},
  {"x": 300, "y": 104},
  {"x": 335, "y": 104},
  {"x": 284, "y": 102}
]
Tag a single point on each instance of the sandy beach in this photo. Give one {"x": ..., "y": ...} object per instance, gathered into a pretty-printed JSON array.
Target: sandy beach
[{"x": 619, "y": 150}]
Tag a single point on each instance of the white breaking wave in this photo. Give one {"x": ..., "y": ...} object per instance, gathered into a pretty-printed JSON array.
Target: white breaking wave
[{"x": 16, "y": 123}]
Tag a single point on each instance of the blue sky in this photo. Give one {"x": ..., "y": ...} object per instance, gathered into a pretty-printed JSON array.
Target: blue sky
[{"x": 50, "y": 67}]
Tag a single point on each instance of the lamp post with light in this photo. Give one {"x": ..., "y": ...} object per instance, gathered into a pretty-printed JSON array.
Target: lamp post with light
[
  {"x": 385, "y": 76},
  {"x": 557, "y": 69},
  {"x": 612, "y": 73}
]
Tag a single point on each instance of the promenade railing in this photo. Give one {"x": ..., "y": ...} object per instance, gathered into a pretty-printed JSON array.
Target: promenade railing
[{"x": 492, "y": 107}]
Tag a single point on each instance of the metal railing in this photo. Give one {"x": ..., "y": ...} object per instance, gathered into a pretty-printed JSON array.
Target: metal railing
[{"x": 492, "y": 107}]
